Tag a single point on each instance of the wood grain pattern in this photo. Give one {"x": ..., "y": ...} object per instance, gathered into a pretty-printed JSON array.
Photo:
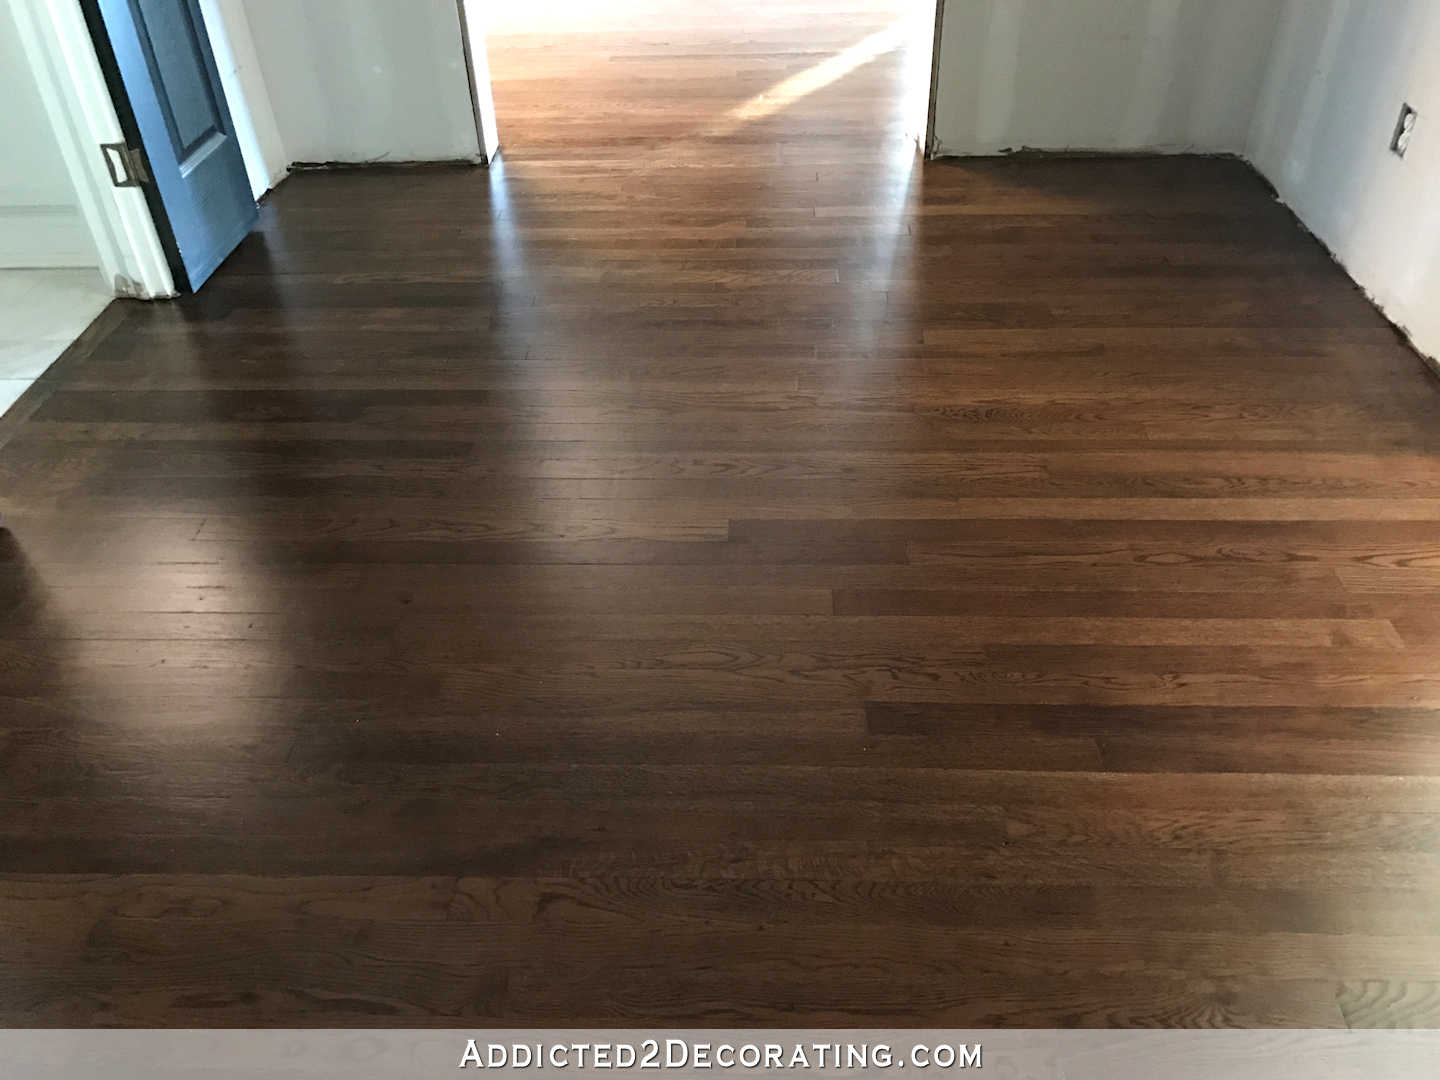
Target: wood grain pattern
[{"x": 714, "y": 568}]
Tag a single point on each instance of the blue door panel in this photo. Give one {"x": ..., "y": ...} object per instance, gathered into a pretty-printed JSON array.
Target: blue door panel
[{"x": 167, "y": 88}]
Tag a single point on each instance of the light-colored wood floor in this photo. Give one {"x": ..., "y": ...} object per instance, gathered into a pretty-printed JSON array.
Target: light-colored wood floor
[
  {"x": 726, "y": 88},
  {"x": 714, "y": 569}
]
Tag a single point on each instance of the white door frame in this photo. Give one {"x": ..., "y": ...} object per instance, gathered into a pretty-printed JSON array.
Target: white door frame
[
  {"x": 931, "y": 145},
  {"x": 56, "y": 41},
  {"x": 477, "y": 66}
]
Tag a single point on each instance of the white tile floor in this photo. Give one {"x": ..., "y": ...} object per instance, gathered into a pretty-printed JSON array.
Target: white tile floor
[{"x": 41, "y": 312}]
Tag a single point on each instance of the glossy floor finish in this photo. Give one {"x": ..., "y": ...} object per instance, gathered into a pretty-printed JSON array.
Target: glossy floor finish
[{"x": 714, "y": 569}]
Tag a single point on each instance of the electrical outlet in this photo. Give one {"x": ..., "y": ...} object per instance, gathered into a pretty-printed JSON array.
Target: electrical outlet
[{"x": 1404, "y": 129}]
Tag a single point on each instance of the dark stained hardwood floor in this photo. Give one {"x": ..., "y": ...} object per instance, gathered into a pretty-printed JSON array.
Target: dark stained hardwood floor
[{"x": 715, "y": 568}]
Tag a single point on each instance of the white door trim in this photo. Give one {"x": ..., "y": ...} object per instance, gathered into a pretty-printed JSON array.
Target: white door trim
[
  {"x": 477, "y": 66},
  {"x": 56, "y": 41}
]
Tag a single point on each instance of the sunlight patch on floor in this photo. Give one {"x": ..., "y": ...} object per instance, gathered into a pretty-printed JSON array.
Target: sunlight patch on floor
[{"x": 828, "y": 71}]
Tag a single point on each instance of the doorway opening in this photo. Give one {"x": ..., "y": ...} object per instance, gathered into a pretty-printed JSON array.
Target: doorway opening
[
  {"x": 51, "y": 284},
  {"x": 610, "y": 78}
]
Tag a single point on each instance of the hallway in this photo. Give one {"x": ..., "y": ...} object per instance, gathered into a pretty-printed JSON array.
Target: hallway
[
  {"x": 720, "y": 86},
  {"x": 714, "y": 568}
]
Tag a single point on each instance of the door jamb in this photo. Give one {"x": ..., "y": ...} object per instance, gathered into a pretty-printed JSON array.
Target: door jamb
[
  {"x": 477, "y": 70},
  {"x": 931, "y": 146},
  {"x": 56, "y": 40}
]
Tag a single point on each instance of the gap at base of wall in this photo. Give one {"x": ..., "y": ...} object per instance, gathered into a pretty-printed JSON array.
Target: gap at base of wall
[
  {"x": 1431, "y": 363},
  {"x": 1022, "y": 153},
  {"x": 385, "y": 163}
]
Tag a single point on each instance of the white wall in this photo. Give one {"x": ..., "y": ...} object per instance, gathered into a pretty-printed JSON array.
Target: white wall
[
  {"x": 356, "y": 82},
  {"x": 1100, "y": 74},
  {"x": 1338, "y": 75},
  {"x": 246, "y": 94},
  {"x": 40, "y": 219}
]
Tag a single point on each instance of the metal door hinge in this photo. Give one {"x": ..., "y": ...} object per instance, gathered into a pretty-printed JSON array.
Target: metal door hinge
[{"x": 126, "y": 165}]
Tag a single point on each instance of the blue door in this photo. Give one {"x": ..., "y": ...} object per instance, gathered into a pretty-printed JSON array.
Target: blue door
[{"x": 166, "y": 87}]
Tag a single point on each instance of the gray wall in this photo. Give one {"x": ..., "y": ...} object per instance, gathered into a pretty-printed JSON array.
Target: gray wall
[
  {"x": 358, "y": 81},
  {"x": 1100, "y": 74}
]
